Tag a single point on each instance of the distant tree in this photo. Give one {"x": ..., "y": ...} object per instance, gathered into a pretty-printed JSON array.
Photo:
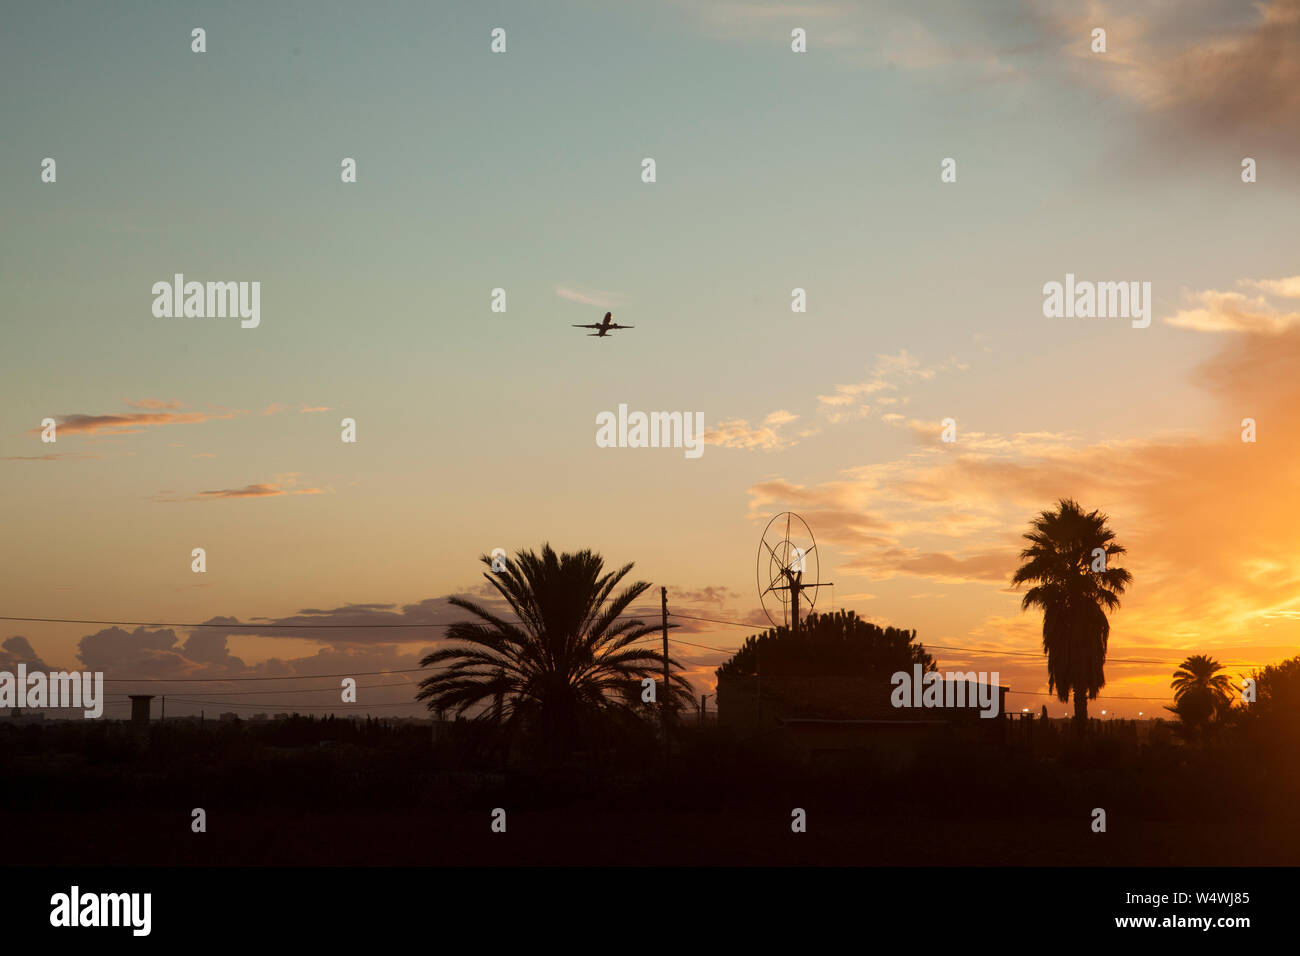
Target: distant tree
[
  {"x": 1073, "y": 597},
  {"x": 567, "y": 662},
  {"x": 1277, "y": 696},
  {"x": 1201, "y": 693},
  {"x": 828, "y": 645}
]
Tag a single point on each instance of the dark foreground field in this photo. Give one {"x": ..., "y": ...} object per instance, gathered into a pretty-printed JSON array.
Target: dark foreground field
[
  {"x": 605, "y": 837},
  {"x": 300, "y": 792}
]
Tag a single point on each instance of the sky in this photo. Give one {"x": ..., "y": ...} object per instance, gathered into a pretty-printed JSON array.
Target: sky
[{"x": 522, "y": 171}]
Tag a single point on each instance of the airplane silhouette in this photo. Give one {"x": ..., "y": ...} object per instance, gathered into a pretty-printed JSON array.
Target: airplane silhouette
[{"x": 604, "y": 327}]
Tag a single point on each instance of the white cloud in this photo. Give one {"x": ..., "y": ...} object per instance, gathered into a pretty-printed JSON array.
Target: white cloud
[
  {"x": 1216, "y": 311},
  {"x": 604, "y": 300}
]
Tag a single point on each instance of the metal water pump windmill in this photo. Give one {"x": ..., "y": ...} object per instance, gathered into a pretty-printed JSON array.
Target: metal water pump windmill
[{"x": 784, "y": 561}]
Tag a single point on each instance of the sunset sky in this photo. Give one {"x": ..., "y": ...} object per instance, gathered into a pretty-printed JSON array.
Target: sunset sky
[{"x": 522, "y": 170}]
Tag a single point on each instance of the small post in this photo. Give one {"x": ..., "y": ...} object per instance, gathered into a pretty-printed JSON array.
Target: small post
[
  {"x": 140, "y": 715},
  {"x": 663, "y": 702}
]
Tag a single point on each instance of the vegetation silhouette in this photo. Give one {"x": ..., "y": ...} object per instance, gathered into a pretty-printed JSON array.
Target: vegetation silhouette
[
  {"x": 396, "y": 791},
  {"x": 1274, "y": 716},
  {"x": 839, "y": 644},
  {"x": 1074, "y": 595},
  {"x": 1201, "y": 694},
  {"x": 567, "y": 669}
]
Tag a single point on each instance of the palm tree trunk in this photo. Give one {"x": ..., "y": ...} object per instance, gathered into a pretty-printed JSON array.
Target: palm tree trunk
[{"x": 1080, "y": 707}]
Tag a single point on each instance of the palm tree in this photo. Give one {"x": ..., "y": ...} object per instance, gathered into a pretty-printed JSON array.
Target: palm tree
[
  {"x": 568, "y": 659},
  {"x": 1200, "y": 692},
  {"x": 1074, "y": 595}
]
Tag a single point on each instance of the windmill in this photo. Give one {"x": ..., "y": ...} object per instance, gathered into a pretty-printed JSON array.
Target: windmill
[{"x": 782, "y": 563}]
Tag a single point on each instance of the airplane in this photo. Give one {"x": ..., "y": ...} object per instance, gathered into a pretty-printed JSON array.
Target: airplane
[{"x": 604, "y": 327}]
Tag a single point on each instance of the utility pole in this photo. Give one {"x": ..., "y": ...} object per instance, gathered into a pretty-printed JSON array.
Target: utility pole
[
  {"x": 663, "y": 701},
  {"x": 796, "y": 585},
  {"x": 788, "y": 561},
  {"x": 793, "y": 574},
  {"x": 164, "y": 708}
]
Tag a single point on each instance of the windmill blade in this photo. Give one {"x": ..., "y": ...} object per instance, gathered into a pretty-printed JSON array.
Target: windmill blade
[
  {"x": 769, "y": 548},
  {"x": 782, "y": 559},
  {"x": 771, "y": 583}
]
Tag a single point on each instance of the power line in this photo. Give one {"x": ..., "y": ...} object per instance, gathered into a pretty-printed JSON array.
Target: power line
[
  {"x": 354, "y": 627},
  {"x": 712, "y": 620},
  {"x": 218, "y": 703},
  {"x": 1109, "y": 660},
  {"x": 222, "y": 680},
  {"x": 674, "y": 640},
  {"x": 689, "y": 617},
  {"x": 303, "y": 690},
  {"x": 1043, "y": 693},
  {"x": 979, "y": 650},
  {"x": 264, "y": 704},
  {"x": 720, "y": 650}
]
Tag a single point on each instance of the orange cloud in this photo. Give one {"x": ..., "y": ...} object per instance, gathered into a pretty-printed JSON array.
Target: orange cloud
[
  {"x": 891, "y": 372},
  {"x": 1210, "y": 522},
  {"x": 1202, "y": 72},
  {"x": 738, "y": 433},
  {"x": 845, "y": 403},
  {"x": 258, "y": 491},
  {"x": 130, "y": 423},
  {"x": 996, "y": 566},
  {"x": 272, "y": 489},
  {"x": 51, "y": 457}
]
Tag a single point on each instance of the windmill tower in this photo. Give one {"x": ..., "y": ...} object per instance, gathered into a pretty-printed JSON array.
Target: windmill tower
[{"x": 783, "y": 560}]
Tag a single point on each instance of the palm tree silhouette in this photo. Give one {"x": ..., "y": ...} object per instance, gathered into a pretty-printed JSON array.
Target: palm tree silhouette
[
  {"x": 1074, "y": 587},
  {"x": 1200, "y": 692},
  {"x": 569, "y": 658}
]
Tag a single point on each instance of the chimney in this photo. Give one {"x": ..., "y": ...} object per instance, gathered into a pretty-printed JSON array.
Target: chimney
[{"x": 140, "y": 708}]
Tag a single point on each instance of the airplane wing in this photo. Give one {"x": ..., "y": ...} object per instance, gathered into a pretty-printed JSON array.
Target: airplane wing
[
  {"x": 596, "y": 326},
  {"x": 622, "y": 326}
]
